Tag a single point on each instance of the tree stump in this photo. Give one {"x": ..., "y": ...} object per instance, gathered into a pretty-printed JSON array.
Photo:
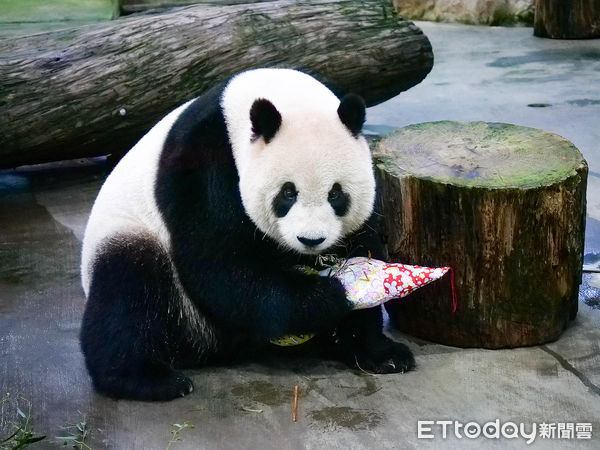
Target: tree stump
[
  {"x": 504, "y": 206},
  {"x": 567, "y": 19}
]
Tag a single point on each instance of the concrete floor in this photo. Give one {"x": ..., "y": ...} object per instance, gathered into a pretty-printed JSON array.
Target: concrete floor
[{"x": 480, "y": 74}]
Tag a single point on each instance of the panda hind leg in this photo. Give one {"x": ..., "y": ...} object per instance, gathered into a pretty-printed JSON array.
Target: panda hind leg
[{"x": 131, "y": 335}]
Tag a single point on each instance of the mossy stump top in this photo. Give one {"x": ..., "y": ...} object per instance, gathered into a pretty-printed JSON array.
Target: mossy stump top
[
  {"x": 480, "y": 154},
  {"x": 504, "y": 205}
]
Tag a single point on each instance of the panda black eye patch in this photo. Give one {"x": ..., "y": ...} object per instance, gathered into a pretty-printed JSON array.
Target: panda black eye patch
[
  {"x": 285, "y": 199},
  {"x": 339, "y": 200}
]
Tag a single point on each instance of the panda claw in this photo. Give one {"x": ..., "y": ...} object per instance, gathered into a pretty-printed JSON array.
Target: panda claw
[{"x": 384, "y": 357}]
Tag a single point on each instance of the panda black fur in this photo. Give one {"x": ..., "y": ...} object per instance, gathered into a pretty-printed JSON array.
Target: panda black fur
[{"x": 189, "y": 251}]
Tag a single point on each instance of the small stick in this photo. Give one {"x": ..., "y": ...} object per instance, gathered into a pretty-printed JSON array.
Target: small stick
[{"x": 295, "y": 403}]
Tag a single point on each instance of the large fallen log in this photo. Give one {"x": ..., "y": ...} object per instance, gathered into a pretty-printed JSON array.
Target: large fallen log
[
  {"x": 95, "y": 90},
  {"x": 134, "y": 6}
]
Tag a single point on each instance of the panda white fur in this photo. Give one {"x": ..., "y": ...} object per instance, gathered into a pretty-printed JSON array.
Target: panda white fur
[{"x": 189, "y": 253}]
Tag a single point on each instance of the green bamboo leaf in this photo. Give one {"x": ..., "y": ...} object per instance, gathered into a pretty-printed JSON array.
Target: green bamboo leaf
[
  {"x": 11, "y": 436},
  {"x": 33, "y": 439}
]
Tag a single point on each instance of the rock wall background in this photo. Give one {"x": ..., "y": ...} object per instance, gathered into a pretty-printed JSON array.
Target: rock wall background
[{"x": 478, "y": 12}]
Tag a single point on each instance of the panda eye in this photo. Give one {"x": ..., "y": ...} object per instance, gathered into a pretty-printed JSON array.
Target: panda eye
[
  {"x": 285, "y": 199},
  {"x": 339, "y": 200},
  {"x": 289, "y": 192},
  {"x": 335, "y": 192}
]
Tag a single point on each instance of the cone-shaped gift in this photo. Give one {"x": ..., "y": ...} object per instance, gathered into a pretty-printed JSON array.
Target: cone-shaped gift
[{"x": 370, "y": 282}]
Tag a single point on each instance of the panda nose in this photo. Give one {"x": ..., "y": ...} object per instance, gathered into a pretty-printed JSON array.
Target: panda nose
[{"x": 311, "y": 242}]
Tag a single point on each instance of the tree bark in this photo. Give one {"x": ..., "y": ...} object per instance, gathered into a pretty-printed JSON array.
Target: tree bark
[
  {"x": 96, "y": 90},
  {"x": 567, "y": 19},
  {"x": 133, "y": 6},
  {"x": 504, "y": 206}
]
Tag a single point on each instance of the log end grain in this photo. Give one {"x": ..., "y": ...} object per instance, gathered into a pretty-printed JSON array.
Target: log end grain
[{"x": 480, "y": 154}]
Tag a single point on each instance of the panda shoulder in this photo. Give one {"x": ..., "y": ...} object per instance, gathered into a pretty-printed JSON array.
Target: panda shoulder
[{"x": 200, "y": 115}]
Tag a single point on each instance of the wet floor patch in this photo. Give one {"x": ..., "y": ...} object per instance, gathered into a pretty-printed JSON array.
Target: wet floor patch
[
  {"x": 546, "y": 66},
  {"x": 592, "y": 228},
  {"x": 344, "y": 417},
  {"x": 589, "y": 291},
  {"x": 368, "y": 388},
  {"x": 584, "y": 102},
  {"x": 547, "y": 369},
  {"x": 553, "y": 56},
  {"x": 263, "y": 392},
  {"x": 591, "y": 259},
  {"x": 13, "y": 181}
]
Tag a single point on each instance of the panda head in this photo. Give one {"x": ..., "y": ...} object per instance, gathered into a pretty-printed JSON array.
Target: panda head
[{"x": 306, "y": 175}]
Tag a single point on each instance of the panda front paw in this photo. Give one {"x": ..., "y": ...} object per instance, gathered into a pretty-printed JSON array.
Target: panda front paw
[
  {"x": 174, "y": 386},
  {"x": 381, "y": 356},
  {"x": 396, "y": 358},
  {"x": 166, "y": 387}
]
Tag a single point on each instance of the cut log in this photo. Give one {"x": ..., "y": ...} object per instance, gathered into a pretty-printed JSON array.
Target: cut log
[
  {"x": 133, "y": 6},
  {"x": 567, "y": 19},
  {"x": 505, "y": 207},
  {"x": 96, "y": 90}
]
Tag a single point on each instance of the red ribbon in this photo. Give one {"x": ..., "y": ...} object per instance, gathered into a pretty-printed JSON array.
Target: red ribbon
[{"x": 453, "y": 290}]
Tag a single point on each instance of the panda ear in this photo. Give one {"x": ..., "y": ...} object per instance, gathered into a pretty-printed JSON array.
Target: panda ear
[
  {"x": 352, "y": 113},
  {"x": 265, "y": 119}
]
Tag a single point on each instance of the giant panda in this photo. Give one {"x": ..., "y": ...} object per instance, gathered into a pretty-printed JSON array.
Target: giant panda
[{"x": 190, "y": 250}]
